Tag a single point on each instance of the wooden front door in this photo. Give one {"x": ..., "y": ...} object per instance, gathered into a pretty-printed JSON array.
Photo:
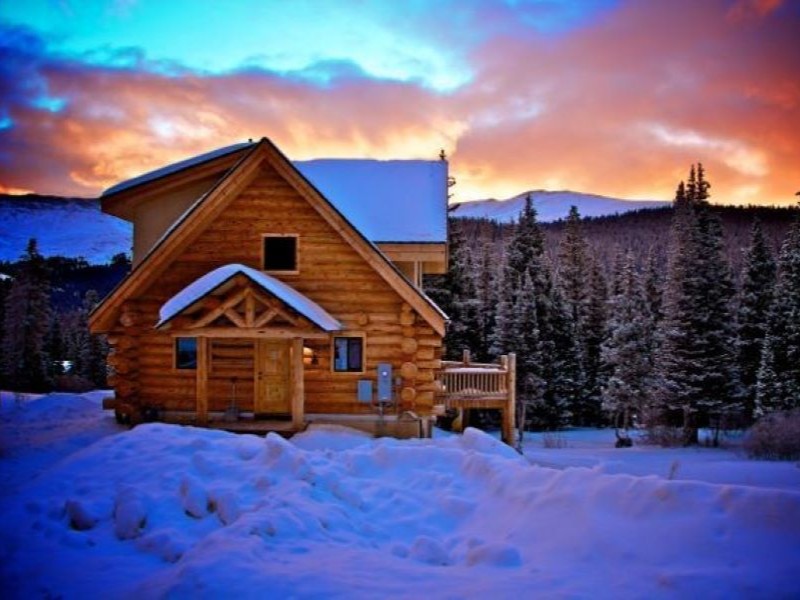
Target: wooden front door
[{"x": 272, "y": 385}]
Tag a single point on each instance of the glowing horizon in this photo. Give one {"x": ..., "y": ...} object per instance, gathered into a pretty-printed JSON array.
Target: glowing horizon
[{"x": 610, "y": 97}]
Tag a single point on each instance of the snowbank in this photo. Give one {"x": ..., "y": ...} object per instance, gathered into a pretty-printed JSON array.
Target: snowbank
[{"x": 175, "y": 511}]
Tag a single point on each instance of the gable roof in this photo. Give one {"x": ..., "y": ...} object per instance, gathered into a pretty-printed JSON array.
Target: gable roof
[
  {"x": 217, "y": 278},
  {"x": 214, "y": 201},
  {"x": 173, "y": 168},
  {"x": 389, "y": 201}
]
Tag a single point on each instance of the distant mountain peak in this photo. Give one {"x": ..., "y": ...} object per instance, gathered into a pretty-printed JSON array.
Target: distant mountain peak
[{"x": 550, "y": 205}]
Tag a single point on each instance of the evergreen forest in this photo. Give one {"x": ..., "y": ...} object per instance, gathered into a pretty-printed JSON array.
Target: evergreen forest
[{"x": 673, "y": 319}]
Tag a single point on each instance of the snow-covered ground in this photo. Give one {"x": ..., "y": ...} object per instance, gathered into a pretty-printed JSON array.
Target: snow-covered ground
[{"x": 90, "y": 510}]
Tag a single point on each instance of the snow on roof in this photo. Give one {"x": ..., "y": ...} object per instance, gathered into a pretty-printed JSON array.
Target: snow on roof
[
  {"x": 214, "y": 279},
  {"x": 387, "y": 201},
  {"x": 174, "y": 168}
]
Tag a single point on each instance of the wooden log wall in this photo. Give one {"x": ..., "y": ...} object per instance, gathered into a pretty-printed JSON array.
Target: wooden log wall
[
  {"x": 123, "y": 356},
  {"x": 331, "y": 273}
]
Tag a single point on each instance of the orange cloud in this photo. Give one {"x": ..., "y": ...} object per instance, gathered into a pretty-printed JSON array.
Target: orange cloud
[{"x": 619, "y": 106}]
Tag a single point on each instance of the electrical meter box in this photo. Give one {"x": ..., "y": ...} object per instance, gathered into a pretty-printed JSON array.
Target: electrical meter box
[
  {"x": 384, "y": 382},
  {"x": 365, "y": 390}
]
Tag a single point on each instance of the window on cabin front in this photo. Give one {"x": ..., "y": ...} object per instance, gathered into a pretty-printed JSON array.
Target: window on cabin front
[
  {"x": 348, "y": 354},
  {"x": 185, "y": 353},
  {"x": 280, "y": 253}
]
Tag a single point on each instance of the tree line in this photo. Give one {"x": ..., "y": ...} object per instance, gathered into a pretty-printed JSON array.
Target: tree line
[
  {"x": 670, "y": 337},
  {"x": 44, "y": 333}
]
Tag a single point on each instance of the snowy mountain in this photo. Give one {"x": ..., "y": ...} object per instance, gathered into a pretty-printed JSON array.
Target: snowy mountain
[
  {"x": 75, "y": 227},
  {"x": 69, "y": 227},
  {"x": 550, "y": 206}
]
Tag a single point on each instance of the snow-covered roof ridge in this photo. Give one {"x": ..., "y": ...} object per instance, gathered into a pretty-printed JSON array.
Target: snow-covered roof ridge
[
  {"x": 174, "y": 168},
  {"x": 397, "y": 200},
  {"x": 214, "y": 279},
  {"x": 386, "y": 200}
]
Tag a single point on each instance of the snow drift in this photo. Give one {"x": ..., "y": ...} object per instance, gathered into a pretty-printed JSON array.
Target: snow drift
[{"x": 174, "y": 511}]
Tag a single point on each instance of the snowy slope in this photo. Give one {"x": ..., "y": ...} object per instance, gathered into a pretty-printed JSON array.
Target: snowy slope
[
  {"x": 62, "y": 226},
  {"x": 168, "y": 511},
  {"x": 550, "y": 206}
]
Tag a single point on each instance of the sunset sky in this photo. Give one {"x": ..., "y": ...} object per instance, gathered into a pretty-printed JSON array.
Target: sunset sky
[{"x": 615, "y": 97}]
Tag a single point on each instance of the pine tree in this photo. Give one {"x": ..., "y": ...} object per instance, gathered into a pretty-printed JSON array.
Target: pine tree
[
  {"x": 486, "y": 284},
  {"x": 573, "y": 278},
  {"x": 531, "y": 386},
  {"x": 778, "y": 386},
  {"x": 86, "y": 352},
  {"x": 696, "y": 359},
  {"x": 565, "y": 378},
  {"x": 462, "y": 304},
  {"x": 594, "y": 336},
  {"x": 523, "y": 254},
  {"x": 756, "y": 297},
  {"x": 627, "y": 352},
  {"x": 25, "y": 363},
  {"x": 652, "y": 289},
  {"x": 524, "y": 259}
]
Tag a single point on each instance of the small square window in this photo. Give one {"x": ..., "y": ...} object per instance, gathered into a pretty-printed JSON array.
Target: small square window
[
  {"x": 348, "y": 354},
  {"x": 280, "y": 253},
  {"x": 186, "y": 353}
]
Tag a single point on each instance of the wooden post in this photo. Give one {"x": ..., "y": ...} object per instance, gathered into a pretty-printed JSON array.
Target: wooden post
[
  {"x": 510, "y": 411},
  {"x": 466, "y": 357},
  {"x": 202, "y": 380},
  {"x": 298, "y": 391}
]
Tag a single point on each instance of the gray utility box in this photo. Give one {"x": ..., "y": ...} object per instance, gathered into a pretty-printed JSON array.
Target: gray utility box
[
  {"x": 384, "y": 382},
  {"x": 365, "y": 390}
]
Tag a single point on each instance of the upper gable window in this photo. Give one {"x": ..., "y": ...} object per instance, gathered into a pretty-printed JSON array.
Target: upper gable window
[{"x": 280, "y": 253}]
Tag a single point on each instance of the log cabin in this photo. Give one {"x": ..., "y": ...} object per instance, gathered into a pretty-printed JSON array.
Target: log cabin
[{"x": 268, "y": 294}]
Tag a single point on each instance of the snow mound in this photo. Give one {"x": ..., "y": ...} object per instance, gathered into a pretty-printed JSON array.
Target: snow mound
[
  {"x": 169, "y": 511},
  {"x": 57, "y": 406}
]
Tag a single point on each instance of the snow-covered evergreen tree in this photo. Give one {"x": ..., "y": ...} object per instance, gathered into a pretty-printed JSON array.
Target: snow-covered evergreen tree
[
  {"x": 86, "y": 352},
  {"x": 653, "y": 289},
  {"x": 627, "y": 352},
  {"x": 487, "y": 292},
  {"x": 758, "y": 281},
  {"x": 778, "y": 386},
  {"x": 697, "y": 374},
  {"x": 594, "y": 336},
  {"x": 530, "y": 385},
  {"x": 25, "y": 363},
  {"x": 556, "y": 367},
  {"x": 458, "y": 297},
  {"x": 573, "y": 281}
]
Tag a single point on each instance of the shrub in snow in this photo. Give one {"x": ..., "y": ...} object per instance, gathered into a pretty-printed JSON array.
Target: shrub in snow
[
  {"x": 130, "y": 514},
  {"x": 79, "y": 516},
  {"x": 775, "y": 436},
  {"x": 664, "y": 436}
]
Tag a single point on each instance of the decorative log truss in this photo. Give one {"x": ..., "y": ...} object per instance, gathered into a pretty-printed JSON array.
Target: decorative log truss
[{"x": 241, "y": 309}]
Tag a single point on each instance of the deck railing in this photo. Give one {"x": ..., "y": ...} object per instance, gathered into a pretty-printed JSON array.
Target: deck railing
[{"x": 466, "y": 385}]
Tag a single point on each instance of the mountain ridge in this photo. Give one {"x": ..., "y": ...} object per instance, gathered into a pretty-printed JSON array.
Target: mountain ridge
[
  {"x": 75, "y": 227},
  {"x": 550, "y": 205}
]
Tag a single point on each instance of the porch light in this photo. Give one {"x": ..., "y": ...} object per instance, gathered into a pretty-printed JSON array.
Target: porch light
[{"x": 309, "y": 356}]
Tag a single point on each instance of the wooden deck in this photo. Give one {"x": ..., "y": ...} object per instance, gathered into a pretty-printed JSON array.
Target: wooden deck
[{"x": 466, "y": 385}]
